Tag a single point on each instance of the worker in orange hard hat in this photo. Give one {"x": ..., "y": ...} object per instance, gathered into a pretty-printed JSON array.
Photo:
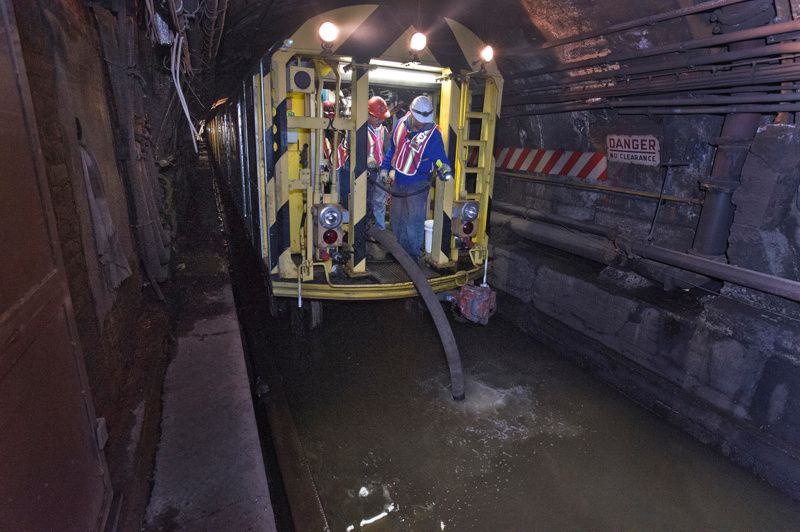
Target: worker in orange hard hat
[
  {"x": 377, "y": 144},
  {"x": 328, "y": 112}
]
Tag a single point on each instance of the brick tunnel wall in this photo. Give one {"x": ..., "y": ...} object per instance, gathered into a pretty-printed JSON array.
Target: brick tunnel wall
[{"x": 68, "y": 85}]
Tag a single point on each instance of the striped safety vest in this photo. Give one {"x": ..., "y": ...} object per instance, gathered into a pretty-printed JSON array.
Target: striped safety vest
[
  {"x": 342, "y": 153},
  {"x": 375, "y": 137},
  {"x": 408, "y": 152}
]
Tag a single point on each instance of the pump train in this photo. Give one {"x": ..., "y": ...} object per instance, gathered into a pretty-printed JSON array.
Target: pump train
[{"x": 269, "y": 143}]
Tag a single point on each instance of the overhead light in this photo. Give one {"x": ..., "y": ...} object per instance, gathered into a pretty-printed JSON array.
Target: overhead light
[
  {"x": 487, "y": 54},
  {"x": 394, "y": 76},
  {"x": 418, "y": 42},
  {"x": 328, "y": 32}
]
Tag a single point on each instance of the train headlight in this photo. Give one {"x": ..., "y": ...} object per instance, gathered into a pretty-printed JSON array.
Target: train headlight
[
  {"x": 418, "y": 42},
  {"x": 329, "y": 220},
  {"x": 487, "y": 54},
  {"x": 330, "y": 217},
  {"x": 469, "y": 211},
  {"x": 328, "y": 32},
  {"x": 465, "y": 214}
]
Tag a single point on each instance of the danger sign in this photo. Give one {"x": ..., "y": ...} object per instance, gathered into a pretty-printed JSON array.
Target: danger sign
[{"x": 633, "y": 149}]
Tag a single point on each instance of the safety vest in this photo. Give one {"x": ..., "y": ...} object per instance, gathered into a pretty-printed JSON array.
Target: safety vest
[
  {"x": 342, "y": 153},
  {"x": 375, "y": 137},
  {"x": 408, "y": 151},
  {"x": 326, "y": 150}
]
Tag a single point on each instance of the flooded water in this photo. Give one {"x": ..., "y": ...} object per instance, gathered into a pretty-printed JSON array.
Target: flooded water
[{"x": 538, "y": 443}]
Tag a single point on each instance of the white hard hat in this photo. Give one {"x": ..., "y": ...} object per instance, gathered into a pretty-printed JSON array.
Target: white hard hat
[{"x": 422, "y": 109}]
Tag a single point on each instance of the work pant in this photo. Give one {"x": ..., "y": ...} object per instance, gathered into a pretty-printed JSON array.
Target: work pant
[
  {"x": 344, "y": 185},
  {"x": 376, "y": 199},
  {"x": 408, "y": 217}
]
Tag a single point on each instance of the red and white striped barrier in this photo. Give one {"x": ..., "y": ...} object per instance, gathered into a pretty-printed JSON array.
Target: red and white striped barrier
[{"x": 583, "y": 165}]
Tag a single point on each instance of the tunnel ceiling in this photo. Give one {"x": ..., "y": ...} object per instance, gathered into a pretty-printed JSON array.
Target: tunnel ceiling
[{"x": 515, "y": 28}]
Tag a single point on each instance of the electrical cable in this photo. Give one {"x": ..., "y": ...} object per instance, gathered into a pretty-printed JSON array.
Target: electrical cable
[{"x": 177, "y": 48}]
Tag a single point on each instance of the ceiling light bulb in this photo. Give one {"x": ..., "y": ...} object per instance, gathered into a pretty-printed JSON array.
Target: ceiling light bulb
[
  {"x": 328, "y": 32},
  {"x": 487, "y": 54},
  {"x": 418, "y": 42}
]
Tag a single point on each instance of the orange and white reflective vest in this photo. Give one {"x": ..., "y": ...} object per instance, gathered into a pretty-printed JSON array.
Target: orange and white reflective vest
[
  {"x": 375, "y": 138},
  {"x": 342, "y": 153},
  {"x": 408, "y": 151}
]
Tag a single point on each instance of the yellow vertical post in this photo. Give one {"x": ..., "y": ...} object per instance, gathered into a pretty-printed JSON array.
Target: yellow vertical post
[
  {"x": 443, "y": 251},
  {"x": 268, "y": 184},
  {"x": 486, "y": 164},
  {"x": 258, "y": 112}
]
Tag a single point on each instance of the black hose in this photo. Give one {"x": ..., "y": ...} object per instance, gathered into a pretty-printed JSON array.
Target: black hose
[
  {"x": 389, "y": 243},
  {"x": 388, "y": 189}
]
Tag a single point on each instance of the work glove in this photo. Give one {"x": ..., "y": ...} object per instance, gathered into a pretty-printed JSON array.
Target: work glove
[
  {"x": 372, "y": 164},
  {"x": 384, "y": 176},
  {"x": 444, "y": 170}
]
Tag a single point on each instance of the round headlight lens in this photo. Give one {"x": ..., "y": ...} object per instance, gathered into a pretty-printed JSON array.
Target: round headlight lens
[
  {"x": 469, "y": 211},
  {"x": 330, "y": 217}
]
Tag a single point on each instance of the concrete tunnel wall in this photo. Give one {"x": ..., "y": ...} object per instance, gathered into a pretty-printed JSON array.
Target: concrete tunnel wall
[{"x": 725, "y": 367}]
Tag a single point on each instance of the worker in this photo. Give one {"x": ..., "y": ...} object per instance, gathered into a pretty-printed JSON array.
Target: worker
[
  {"x": 415, "y": 150},
  {"x": 328, "y": 112},
  {"x": 377, "y": 143}
]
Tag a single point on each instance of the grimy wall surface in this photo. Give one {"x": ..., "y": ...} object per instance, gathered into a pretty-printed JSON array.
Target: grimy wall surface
[{"x": 720, "y": 360}]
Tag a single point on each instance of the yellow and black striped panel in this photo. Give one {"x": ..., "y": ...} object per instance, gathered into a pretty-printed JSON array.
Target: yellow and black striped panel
[
  {"x": 442, "y": 251},
  {"x": 267, "y": 207},
  {"x": 358, "y": 172},
  {"x": 280, "y": 229}
]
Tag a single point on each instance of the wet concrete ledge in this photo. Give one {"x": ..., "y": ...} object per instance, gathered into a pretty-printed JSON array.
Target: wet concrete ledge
[
  {"x": 209, "y": 469},
  {"x": 209, "y": 472},
  {"x": 712, "y": 366}
]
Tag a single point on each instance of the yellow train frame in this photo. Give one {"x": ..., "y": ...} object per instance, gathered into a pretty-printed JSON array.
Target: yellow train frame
[{"x": 279, "y": 206}]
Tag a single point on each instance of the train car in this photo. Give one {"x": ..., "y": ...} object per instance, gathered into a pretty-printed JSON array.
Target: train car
[{"x": 272, "y": 143}]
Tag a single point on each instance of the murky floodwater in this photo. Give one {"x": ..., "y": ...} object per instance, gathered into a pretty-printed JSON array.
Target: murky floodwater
[{"x": 538, "y": 444}]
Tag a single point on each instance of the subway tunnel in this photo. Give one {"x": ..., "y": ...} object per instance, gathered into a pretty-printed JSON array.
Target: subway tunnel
[{"x": 579, "y": 310}]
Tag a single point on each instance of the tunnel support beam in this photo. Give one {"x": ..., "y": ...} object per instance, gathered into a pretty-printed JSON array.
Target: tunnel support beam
[{"x": 738, "y": 130}]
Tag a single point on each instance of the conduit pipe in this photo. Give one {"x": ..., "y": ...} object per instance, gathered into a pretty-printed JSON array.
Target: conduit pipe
[
  {"x": 589, "y": 247},
  {"x": 719, "y": 110},
  {"x": 389, "y": 243},
  {"x": 715, "y": 103},
  {"x": 605, "y": 252},
  {"x": 760, "y": 32},
  {"x": 665, "y": 84},
  {"x": 644, "y": 21},
  {"x": 738, "y": 130},
  {"x": 690, "y": 62},
  {"x": 563, "y": 221},
  {"x": 604, "y": 189}
]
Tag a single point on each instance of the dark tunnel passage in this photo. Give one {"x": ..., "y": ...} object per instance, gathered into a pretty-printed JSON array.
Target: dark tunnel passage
[{"x": 217, "y": 215}]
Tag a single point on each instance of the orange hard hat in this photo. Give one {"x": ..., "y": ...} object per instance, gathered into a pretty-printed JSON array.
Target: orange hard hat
[
  {"x": 328, "y": 109},
  {"x": 377, "y": 107}
]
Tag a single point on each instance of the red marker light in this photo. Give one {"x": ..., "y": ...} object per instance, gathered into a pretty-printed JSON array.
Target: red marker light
[
  {"x": 324, "y": 255},
  {"x": 468, "y": 227},
  {"x": 330, "y": 236}
]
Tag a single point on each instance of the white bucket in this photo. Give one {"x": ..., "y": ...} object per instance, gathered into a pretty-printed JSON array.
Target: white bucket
[{"x": 428, "y": 236}]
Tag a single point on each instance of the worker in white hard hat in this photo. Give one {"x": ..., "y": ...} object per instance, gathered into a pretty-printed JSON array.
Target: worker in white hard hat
[{"x": 416, "y": 149}]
